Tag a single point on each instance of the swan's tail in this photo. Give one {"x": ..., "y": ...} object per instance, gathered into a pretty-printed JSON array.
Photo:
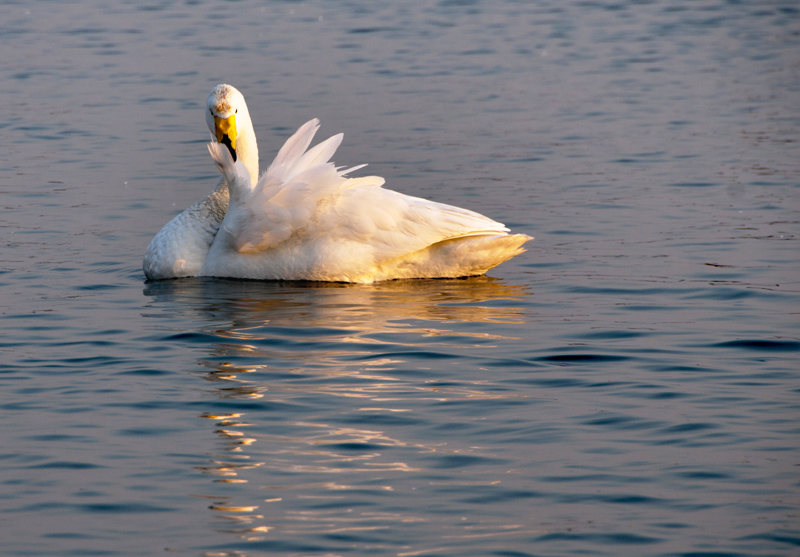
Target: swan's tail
[
  {"x": 464, "y": 256},
  {"x": 474, "y": 254}
]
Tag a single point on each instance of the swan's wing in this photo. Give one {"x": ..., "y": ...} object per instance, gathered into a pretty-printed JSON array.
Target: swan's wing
[
  {"x": 295, "y": 158},
  {"x": 394, "y": 224},
  {"x": 304, "y": 195},
  {"x": 295, "y": 146},
  {"x": 288, "y": 194}
]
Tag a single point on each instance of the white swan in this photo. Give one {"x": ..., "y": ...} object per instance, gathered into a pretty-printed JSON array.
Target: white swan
[{"x": 304, "y": 219}]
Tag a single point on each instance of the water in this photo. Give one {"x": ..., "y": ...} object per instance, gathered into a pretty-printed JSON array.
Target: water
[{"x": 626, "y": 387}]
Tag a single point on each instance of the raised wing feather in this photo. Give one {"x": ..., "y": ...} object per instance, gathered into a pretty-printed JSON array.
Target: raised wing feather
[
  {"x": 235, "y": 173},
  {"x": 296, "y": 145}
]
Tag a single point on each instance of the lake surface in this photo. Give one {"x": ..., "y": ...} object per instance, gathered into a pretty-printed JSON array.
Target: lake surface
[{"x": 629, "y": 386}]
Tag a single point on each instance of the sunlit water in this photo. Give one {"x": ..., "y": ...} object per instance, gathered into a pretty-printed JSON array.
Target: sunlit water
[{"x": 629, "y": 386}]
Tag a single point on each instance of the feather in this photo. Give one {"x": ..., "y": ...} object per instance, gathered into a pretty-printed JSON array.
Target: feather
[{"x": 294, "y": 148}]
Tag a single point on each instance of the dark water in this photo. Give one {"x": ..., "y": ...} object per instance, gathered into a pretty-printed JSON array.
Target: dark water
[{"x": 629, "y": 386}]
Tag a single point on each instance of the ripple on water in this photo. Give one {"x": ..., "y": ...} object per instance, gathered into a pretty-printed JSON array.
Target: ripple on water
[
  {"x": 759, "y": 345},
  {"x": 627, "y": 387}
]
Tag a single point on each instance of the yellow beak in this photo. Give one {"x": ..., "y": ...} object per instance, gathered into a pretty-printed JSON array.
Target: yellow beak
[{"x": 226, "y": 128}]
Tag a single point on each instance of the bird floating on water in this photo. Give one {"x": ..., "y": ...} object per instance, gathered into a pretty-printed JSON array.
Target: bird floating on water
[{"x": 306, "y": 219}]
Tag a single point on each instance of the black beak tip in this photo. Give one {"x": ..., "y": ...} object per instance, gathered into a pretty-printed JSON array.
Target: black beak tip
[{"x": 226, "y": 141}]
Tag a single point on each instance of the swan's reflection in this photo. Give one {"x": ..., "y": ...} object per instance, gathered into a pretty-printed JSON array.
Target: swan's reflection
[
  {"x": 253, "y": 303},
  {"x": 322, "y": 389}
]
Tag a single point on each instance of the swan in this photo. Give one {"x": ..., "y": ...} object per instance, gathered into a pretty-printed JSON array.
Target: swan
[{"x": 306, "y": 219}]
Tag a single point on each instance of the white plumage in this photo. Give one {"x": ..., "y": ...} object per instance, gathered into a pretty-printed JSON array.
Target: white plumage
[{"x": 304, "y": 219}]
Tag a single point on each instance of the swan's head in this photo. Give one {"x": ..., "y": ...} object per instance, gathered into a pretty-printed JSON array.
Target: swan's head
[{"x": 224, "y": 107}]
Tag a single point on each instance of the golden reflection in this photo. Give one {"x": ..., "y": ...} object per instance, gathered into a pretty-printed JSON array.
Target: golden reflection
[
  {"x": 340, "y": 347},
  {"x": 232, "y": 508}
]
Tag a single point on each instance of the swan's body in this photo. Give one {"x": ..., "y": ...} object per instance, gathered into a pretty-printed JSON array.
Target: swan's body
[{"x": 304, "y": 219}]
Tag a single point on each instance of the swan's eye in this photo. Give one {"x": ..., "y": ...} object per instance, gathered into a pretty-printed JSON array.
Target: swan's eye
[{"x": 237, "y": 111}]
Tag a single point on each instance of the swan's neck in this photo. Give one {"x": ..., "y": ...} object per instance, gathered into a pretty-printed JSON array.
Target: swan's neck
[{"x": 246, "y": 145}]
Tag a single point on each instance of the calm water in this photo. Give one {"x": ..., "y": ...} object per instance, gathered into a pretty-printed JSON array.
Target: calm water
[{"x": 629, "y": 386}]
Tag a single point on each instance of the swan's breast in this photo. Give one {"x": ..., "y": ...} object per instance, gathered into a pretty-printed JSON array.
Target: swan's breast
[{"x": 181, "y": 247}]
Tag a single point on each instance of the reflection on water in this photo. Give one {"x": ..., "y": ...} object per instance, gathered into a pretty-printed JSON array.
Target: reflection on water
[
  {"x": 323, "y": 380},
  {"x": 253, "y": 303}
]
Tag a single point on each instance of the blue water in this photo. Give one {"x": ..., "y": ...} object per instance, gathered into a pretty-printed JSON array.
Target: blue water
[{"x": 629, "y": 386}]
